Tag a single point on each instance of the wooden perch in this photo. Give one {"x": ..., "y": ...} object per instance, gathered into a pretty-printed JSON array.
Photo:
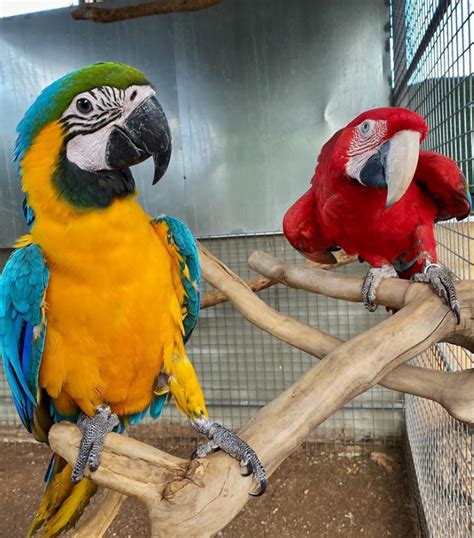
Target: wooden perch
[
  {"x": 157, "y": 7},
  {"x": 95, "y": 524},
  {"x": 214, "y": 298},
  {"x": 260, "y": 283},
  {"x": 200, "y": 497},
  {"x": 453, "y": 390}
]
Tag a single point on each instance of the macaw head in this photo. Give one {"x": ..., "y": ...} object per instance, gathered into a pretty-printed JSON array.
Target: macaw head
[
  {"x": 380, "y": 149},
  {"x": 99, "y": 120}
]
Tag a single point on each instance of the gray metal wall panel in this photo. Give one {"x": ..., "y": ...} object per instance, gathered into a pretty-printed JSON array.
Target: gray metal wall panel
[
  {"x": 252, "y": 89},
  {"x": 262, "y": 85},
  {"x": 37, "y": 49}
]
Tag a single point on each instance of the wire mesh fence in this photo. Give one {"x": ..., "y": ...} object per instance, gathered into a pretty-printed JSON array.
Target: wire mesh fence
[
  {"x": 243, "y": 368},
  {"x": 432, "y": 65}
]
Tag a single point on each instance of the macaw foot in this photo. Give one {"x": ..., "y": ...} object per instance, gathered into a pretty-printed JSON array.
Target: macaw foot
[
  {"x": 372, "y": 282},
  {"x": 228, "y": 441},
  {"x": 441, "y": 280},
  {"x": 94, "y": 430}
]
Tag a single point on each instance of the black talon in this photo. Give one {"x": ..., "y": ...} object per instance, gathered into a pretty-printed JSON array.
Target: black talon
[
  {"x": 457, "y": 312},
  {"x": 263, "y": 488},
  {"x": 248, "y": 469}
]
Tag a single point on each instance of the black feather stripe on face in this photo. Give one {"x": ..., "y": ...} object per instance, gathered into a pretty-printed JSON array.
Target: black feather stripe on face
[{"x": 107, "y": 106}]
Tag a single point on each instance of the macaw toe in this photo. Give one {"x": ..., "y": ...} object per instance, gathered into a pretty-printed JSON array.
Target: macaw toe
[
  {"x": 442, "y": 281},
  {"x": 248, "y": 468},
  {"x": 204, "y": 450},
  {"x": 374, "y": 276},
  {"x": 225, "y": 439},
  {"x": 94, "y": 430}
]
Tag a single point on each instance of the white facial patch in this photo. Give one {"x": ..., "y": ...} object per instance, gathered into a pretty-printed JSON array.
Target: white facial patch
[
  {"x": 367, "y": 138},
  {"x": 357, "y": 162},
  {"x": 110, "y": 107}
]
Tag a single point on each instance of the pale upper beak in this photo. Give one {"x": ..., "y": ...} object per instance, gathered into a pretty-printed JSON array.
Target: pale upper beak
[
  {"x": 401, "y": 163},
  {"x": 393, "y": 166}
]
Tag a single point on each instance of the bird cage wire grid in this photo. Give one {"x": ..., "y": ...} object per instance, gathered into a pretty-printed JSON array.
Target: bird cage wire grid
[
  {"x": 242, "y": 368},
  {"x": 432, "y": 64}
]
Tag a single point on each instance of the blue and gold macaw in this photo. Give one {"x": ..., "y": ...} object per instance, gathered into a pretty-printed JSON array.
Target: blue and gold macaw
[{"x": 98, "y": 300}]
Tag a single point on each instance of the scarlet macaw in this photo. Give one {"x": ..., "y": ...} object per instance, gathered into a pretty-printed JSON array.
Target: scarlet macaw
[
  {"x": 98, "y": 300},
  {"x": 375, "y": 194}
]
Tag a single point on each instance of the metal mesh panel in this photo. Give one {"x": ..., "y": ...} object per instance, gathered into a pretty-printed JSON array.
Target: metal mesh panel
[
  {"x": 242, "y": 368},
  {"x": 432, "y": 61}
]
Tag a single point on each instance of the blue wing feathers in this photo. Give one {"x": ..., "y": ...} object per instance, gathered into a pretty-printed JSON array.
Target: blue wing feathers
[
  {"x": 22, "y": 287},
  {"x": 181, "y": 236}
]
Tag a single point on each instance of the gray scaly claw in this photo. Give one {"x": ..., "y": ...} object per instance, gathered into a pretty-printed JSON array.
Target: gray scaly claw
[
  {"x": 374, "y": 276},
  {"x": 228, "y": 441},
  {"x": 442, "y": 281},
  {"x": 94, "y": 430},
  {"x": 204, "y": 450}
]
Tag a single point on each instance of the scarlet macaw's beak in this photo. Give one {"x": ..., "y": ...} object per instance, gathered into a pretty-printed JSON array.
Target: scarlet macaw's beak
[
  {"x": 393, "y": 166},
  {"x": 145, "y": 133}
]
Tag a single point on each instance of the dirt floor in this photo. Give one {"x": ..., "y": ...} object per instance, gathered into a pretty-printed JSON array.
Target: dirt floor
[{"x": 319, "y": 491}]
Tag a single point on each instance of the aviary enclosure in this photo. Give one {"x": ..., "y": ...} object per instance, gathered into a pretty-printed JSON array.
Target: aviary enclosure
[{"x": 252, "y": 88}]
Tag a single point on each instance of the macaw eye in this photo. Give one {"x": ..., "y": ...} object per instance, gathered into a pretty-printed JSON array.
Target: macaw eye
[
  {"x": 84, "y": 105},
  {"x": 134, "y": 94},
  {"x": 365, "y": 128}
]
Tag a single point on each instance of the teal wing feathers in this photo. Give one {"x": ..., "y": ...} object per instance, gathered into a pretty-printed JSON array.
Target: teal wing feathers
[
  {"x": 190, "y": 270},
  {"x": 23, "y": 285}
]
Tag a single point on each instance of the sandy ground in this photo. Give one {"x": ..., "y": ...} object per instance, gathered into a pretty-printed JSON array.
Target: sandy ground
[{"x": 319, "y": 491}]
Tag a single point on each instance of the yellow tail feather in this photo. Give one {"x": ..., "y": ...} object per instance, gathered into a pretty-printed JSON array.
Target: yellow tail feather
[{"x": 63, "y": 502}]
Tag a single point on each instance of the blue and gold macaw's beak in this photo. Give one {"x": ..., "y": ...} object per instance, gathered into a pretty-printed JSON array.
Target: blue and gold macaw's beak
[
  {"x": 393, "y": 166},
  {"x": 145, "y": 133}
]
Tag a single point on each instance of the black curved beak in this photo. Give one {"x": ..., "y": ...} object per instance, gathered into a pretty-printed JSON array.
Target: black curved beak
[
  {"x": 144, "y": 134},
  {"x": 373, "y": 172}
]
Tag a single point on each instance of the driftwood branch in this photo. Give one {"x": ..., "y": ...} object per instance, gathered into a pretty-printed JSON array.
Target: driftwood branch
[
  {"x": 199, "y": 497},
  {"x": 260, "y": 283},
  {"x": 256, "y": 284},
  {"x": 157, "y": 7},
  {"x": 453, "y": 390},
  {"x": 96, "y": 523}
]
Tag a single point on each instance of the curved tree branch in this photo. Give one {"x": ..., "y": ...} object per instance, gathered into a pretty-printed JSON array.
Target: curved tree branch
[
  {"x": 95, "y": 524},
  {"x": 260, "y": 283},
  {"x": 157, "y": 7},
  {"x": 216, "y": 297},
  {"x": 391, "y": 291}
]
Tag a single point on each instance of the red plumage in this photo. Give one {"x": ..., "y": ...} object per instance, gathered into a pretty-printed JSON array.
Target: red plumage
[{"x": 339, "y": 211}]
